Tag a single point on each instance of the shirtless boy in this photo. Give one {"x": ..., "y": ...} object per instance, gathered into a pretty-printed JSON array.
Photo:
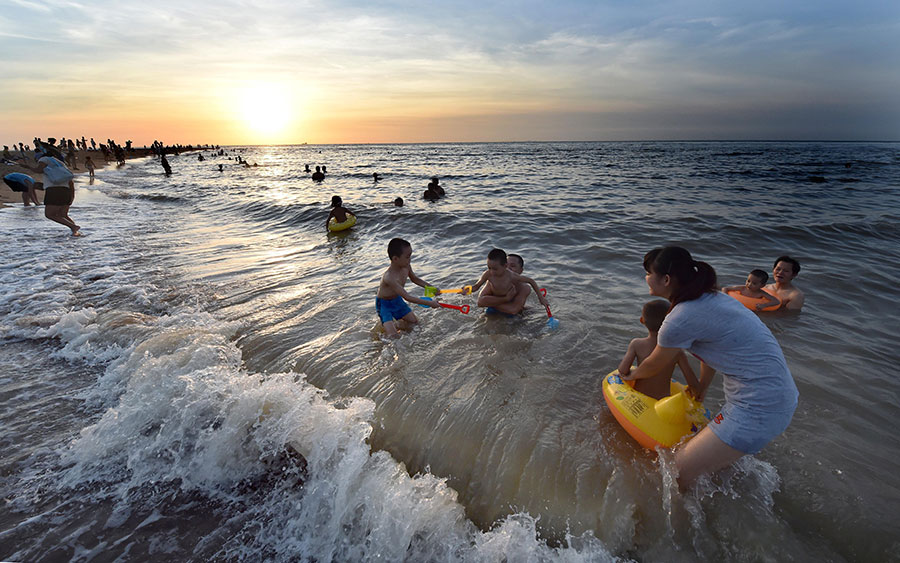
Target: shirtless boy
[
  {"x": 753, "y": 288},
  {"x": 784, "y": 271},
  {"x": 389, "y": 303},
  {"x": 515, "y": 264},
  {"x": 338, "y": 211},
  {"x": 639, "y": 349},
  {"x": 501, "y": 284}
]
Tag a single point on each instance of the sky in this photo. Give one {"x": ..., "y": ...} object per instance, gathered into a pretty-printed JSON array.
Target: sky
[{"x": 342, "y": 71}]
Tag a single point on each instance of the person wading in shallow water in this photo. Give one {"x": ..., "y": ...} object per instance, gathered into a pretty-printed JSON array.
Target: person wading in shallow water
[
  {"x": 59, "y": 189},
  {"x": 760, "y": 394}
]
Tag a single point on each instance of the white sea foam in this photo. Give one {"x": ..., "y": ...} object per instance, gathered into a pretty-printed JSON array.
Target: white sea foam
[{"x": 167, "y": 395}]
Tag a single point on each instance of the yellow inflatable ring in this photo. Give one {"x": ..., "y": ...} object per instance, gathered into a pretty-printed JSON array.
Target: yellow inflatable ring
[
  {"x": 752, "y": 302},
  {"x": 334, "y": 226},
  {"x": 654, "y": 423}
]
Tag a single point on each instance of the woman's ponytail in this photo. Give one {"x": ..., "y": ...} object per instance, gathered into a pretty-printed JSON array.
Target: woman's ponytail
[{"x": 693, "y": 278}]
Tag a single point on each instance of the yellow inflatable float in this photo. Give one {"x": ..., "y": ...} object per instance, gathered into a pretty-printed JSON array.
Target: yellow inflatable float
[
  {"x": 752, "y": 302},
  {"x": 654, "y": 423},
  {"x": 334, "y": 226}
]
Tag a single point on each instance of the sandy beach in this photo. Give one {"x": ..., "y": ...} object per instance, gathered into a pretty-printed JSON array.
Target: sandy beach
[{"x": 7, "y": 196}]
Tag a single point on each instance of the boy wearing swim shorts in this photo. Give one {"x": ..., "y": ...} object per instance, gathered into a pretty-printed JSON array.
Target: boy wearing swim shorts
[
  {"x": 389, "y": 303},
  {"x": 639, "y": 349}
]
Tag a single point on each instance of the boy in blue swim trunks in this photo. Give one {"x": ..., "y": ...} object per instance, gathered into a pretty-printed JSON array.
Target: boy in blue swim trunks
[{"x": 389, "y": 303}]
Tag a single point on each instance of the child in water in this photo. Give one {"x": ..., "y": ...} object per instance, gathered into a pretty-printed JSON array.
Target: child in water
[
  {"x": 338, "y": 211},
  {"x": 753, "y": 288},
  {"x": 639, "y": 349},
  {"x": 500, "y": 281},
  {"x": 389, "y": 302}
]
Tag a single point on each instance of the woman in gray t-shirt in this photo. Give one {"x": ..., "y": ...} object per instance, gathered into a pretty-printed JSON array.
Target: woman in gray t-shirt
[{"x": 760, "y": 395}]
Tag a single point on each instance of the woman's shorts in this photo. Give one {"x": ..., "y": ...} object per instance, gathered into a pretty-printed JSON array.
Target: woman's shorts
[
  {"x": 390, "y": 309},
  {"x": 749, "y": 430},
  {"x": 58, "y": 195}
]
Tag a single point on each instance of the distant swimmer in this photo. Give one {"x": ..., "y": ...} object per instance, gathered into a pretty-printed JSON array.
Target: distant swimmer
[
  {"x": 307, "y": 170},
  {"x": 318, "y": 175},
  {"x": 200, "y": 157},
  {"x": 437, "y": 187},
  {"x": 398, "y": 202},
  {"x": 221, "y": 168},
  {"x": 165, "y": 164},
  {"x": 430, "y": 194},
  {"x": 375, "y": 176}
]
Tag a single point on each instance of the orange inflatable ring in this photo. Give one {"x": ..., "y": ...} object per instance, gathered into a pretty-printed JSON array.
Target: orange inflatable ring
[{"x": 752, "y": 302}]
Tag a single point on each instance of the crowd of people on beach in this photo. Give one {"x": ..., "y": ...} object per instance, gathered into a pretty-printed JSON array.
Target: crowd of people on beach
[{"x": 56, "y": 161}]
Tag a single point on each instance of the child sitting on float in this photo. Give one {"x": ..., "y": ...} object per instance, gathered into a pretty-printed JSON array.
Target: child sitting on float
[
  {"x": 639, "y": 349},
  {"x": 338, "y": 211}
]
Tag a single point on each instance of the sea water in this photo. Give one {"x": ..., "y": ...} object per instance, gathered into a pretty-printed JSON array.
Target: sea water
[{"x": 199, "y": 377}]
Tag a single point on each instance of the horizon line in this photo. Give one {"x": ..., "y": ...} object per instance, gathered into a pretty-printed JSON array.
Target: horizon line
[{"x": 559, "y": 141}]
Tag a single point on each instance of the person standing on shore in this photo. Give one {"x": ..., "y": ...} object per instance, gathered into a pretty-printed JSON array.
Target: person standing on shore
[
  {"x": 59, "y": 190},
  {"x": 71, "y": 160}
]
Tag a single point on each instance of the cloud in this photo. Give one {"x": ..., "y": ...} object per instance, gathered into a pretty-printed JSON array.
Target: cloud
[{"x": 598, "y": 60}]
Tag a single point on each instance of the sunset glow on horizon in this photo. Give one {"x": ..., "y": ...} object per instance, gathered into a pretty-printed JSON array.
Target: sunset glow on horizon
[{"x": 353, "y": 72}]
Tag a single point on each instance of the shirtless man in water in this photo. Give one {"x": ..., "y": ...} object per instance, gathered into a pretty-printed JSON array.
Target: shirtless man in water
[
  {"x": 505, "y": 288},
  {"x": 783, "y": 272}
]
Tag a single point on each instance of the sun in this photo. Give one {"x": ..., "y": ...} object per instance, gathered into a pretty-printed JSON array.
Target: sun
[{"x": 266, "y": 110}]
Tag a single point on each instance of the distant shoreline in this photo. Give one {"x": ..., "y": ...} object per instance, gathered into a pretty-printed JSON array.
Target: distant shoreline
[{"x": 397, "y": 143}]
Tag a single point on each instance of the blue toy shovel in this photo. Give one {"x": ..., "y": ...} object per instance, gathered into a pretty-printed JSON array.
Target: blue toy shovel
[{"x": 552, "y": 322}]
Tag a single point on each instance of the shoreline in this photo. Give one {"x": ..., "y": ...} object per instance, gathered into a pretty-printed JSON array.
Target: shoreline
[{"x": 9, "y": 198}]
